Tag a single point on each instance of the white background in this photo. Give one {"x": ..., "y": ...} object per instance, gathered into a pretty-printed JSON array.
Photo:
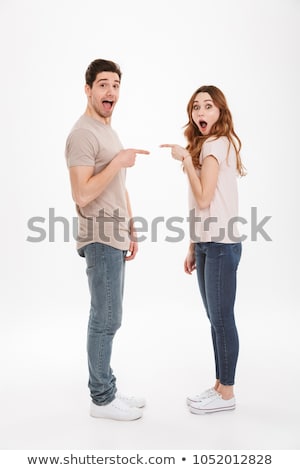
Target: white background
[{"x": 166, "y": 49}]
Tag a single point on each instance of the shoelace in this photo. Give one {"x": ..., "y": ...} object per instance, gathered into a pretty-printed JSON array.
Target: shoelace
[{"x": 208, "y": 393}]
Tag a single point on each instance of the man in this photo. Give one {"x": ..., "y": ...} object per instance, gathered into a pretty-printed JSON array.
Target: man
[{"x": 97, "y": 165}]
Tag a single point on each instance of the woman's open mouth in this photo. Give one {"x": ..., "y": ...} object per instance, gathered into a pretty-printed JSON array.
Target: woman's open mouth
[{"x": 203, "y": 125}]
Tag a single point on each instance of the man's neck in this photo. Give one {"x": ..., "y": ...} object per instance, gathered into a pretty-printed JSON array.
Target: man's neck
[{"x": 91, "y": 113}]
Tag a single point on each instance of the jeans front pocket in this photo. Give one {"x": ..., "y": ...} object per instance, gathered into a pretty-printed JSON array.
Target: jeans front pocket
[
  {"x": 90, "y": 255},
  {"x": 237, "y": 251},
  {"x": 215, "y": 250}
]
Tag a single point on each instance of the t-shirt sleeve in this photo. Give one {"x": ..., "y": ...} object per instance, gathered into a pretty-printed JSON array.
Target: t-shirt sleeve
[
  {"x": 218, "y": 148},
  {"x": 81, "y": 148}
]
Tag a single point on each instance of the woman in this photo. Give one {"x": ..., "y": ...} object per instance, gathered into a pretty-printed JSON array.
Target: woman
[{"x": 212, "y": 163}]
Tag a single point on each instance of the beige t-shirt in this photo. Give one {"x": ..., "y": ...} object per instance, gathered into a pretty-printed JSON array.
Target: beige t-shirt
[
  {"x": 218, "y": 222},
  {"x": 105, "y": 219}
]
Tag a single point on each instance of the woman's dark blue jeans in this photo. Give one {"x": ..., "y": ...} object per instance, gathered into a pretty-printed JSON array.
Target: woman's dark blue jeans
[{"x": 216, "y": 271}]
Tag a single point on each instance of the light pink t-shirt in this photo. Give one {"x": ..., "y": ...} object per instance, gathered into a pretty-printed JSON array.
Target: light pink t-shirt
[{"x": 218, "y": 222}]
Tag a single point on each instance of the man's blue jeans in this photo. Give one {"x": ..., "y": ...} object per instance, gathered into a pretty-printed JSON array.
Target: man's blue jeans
[
  {"x": 105, "y": 271},
  {"x": 216, "y": 270}
]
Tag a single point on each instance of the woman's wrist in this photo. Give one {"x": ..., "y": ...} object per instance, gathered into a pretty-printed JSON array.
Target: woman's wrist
[{"x": 186, "y": 157}]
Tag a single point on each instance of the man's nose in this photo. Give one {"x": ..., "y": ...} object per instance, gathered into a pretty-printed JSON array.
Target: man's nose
[{"x": 110, "y": 91}]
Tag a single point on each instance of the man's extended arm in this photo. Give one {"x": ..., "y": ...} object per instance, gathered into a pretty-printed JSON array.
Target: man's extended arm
[{"x": 86, "y": 186}]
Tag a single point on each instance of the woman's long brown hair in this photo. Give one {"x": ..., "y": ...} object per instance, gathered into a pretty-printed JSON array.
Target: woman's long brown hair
[{"x": 223, "y": 127}]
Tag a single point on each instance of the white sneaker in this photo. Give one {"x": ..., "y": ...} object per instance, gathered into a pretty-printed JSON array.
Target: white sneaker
[
  {"x": 117, "y": 410},
  {"x": 197, "y": 398},
  {"x": 212, "y": 404},
  {"x": 135, "y": 402}
]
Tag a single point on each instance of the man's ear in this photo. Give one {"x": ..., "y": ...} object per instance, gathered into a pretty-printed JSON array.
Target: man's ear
[{"x": 87, "y": 90}]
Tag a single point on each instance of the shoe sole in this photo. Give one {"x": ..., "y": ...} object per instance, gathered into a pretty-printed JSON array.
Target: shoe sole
[
  {"x": 198, "y": 411},
  {"x": 117, "y": 414},
  {"x": 117, "y": 419}
]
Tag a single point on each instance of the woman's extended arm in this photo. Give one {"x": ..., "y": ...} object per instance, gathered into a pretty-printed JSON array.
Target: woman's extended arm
[{"x": 203, "y": 187}]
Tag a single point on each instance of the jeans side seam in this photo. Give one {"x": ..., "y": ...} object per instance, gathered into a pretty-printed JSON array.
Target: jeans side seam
[{"x": 225, "y": 351}]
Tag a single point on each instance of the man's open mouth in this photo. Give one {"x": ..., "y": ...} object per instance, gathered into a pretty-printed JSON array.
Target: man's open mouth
[{"x": 108, "y": 104}]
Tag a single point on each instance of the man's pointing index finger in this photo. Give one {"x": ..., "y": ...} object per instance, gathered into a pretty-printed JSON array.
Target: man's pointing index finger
[{"x": 144, "y": 152}]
